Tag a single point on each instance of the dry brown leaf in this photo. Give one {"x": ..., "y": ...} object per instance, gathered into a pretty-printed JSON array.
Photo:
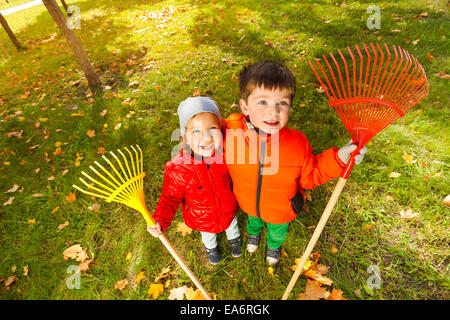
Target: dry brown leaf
[
  {"x": 37, "y": 195},
  {"x": 334, "y": 249},
  {"x": 72, "y": 252},
  {"x": 90, "y": 133},
  {"x": 84, "y": 266},
  {"x": 408, "y": 214},
  {"x": 313, "y": 291},
  {"x": 164, "y": 273},
  {"x": 183, "y": 228},
  {"x": 63, "y": 225},
  {"x": 446, "y": 201},
  {"x": 10, "y": 281},
  {"x": 9, "y": 201},
  {"x": 13, "y": 189},
  {"x": 178, "y": 293},
  {"x": 94, "y": 207},
  {"x": 121, "y": 284}
]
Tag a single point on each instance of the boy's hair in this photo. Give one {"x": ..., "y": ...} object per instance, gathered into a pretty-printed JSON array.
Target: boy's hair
[{"x": 267, "y": 74}]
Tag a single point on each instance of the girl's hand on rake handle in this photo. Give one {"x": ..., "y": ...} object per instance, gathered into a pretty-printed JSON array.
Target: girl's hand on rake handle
[
  {"x": 345, "y": 153},
  {"x": 155, "y": 230}
]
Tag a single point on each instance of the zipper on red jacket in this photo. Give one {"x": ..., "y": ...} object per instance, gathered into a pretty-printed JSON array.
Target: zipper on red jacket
[
  {"x": 262, "y": 153},
  {"x": 211, "y": 181}
]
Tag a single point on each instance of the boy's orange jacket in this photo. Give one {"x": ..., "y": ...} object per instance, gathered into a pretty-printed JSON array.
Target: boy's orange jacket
[{"x": 269, "y": 172}]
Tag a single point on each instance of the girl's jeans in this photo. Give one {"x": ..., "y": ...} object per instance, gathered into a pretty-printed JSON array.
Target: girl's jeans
[{"x": 210, "y": 239}]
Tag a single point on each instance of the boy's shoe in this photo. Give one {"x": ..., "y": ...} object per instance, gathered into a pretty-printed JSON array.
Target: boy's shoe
[
  {"x": 235, "y": 245},
  {"x": 273, "y": 255},
  {"x": 214, "y": 255},
  {"x": 252, "y": 242}
]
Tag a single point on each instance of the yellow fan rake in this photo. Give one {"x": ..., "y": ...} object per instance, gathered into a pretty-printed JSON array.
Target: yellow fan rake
[{"x": 126, "y": 186}]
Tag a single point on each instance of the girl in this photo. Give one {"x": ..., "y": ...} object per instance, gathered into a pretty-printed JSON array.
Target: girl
[{"x": 198, "y": 178}]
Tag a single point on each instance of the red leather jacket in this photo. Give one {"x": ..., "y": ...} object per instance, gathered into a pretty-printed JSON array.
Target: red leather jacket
[{"x": 204, "y": 190}]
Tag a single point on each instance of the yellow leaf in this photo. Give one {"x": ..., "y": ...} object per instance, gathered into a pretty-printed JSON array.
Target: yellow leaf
[
  {"x": 128, "y": 257},
  {"x": 58, "y": 144},
  {"x": 334, "y": 249},
  {"x": 43, "y": 119},
  {"x": 25, "y": 271},
  {"x": 408, "y": 158},
  {"x": 139, "y": 277},
  {"x": 155, "y": 290},
  {"x": 198, "y": 295},
  {"x": 54, "y": 210},
  {"x": 32, "y": 220},
  {"x": 270, "y": 270}
]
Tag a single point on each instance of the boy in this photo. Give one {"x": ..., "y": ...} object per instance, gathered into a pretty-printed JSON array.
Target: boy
[{"x": 270, "y": 164}]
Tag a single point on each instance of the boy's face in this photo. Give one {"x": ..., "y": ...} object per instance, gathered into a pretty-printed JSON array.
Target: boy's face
[
  {"x": 268, "y": 110},
  {"x": 203, "y": 134}
]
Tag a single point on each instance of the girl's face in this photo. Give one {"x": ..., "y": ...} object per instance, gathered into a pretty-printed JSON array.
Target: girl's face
[{"x": 203, "y": 134}]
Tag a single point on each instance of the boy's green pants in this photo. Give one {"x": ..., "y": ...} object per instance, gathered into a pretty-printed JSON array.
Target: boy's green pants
[{"x": 276, "y": 233}]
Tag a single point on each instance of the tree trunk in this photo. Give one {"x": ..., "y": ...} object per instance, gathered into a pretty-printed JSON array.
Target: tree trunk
[
  {"x": 9, "y": 32},
  {"x": 66, "y": 7},
  {"x": 89, "y": 71}
]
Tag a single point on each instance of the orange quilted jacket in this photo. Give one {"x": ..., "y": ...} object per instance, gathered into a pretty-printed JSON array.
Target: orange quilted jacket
[{"x": 269, "y": 172}]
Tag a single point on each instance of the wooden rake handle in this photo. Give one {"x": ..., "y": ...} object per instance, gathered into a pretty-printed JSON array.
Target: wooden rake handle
[
  {"x": 317, "y": 232},
  {"x": 183, "y": 265}
]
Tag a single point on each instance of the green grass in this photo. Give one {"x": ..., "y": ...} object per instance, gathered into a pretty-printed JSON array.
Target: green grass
[{"x": 203, "y": 45}]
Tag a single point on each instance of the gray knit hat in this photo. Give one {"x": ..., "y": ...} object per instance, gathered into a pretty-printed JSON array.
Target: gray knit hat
[{"x": 195, "y": 105}]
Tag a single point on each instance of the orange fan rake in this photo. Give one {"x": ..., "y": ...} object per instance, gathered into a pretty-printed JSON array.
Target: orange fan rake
[
  {"x": 369, "y": 89},
  {"x": 126, "y": 186}
]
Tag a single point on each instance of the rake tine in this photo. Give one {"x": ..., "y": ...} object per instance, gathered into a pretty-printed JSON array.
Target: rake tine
[
  {"x": 121, "y": 167},
  {"x": 131, "y": 185}
]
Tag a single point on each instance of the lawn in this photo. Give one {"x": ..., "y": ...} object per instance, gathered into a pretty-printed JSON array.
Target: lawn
[{"x": 151, "y": 55}]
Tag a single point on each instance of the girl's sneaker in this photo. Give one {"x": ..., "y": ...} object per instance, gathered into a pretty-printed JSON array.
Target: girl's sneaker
[
  {"x": 273, "y": 255},
  {"x": 252, "y": 243},
  {"x": 235, "y": 245},
  {"x": 214, "y": 255}
]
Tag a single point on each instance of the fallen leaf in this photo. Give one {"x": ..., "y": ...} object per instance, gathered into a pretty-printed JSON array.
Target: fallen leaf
[
  {"x": 442, "y": 75},
  {"x": 72, "y": 252},
  {"x": 270, "y": 270},
  {"x": 313, "y": 291},
  {"x": 63, "y": 225},
  {"x": 32, "y": 220},
  {"x": 10, "y": 281},
  {"x": 178, "y": 293},
  {"x": 94, "y": 207},
  {"x": 155, "y": 290},
  {"x": 368, "y": 226},
  {"x": 101, "y": 150},
  {"x": 25, "y": 271},
  {"x": 408, "y": 214},
  {"x": 71, "y": 197},
  {"x": 90, "y": 133},
  {"x": 37, "y": 195},
  {"x": 336, "y": 294},
  {"x": 128, "y": 257},
  {"x": 429, "y": 56},
  {"x": 9, "y": 202},
  {"x": 164, "y": 273},
  {"x": 139, "y": 277},
  {"x": 13, "y": 189},
  {"x": 408, "y": 158},
  {"x": 394, "y": 175},
  {"x": 446, "y": 201},
  {"x": 198, "y": 295},
  {"x": 57, "y": 151},
  {"x": 54, "y": 210},
  {"x": 121, "y": 284},
  {"x": 308, "y": 195},
  {"x": 334, "y": 249},
  {"x": 183, "y": 228},
  {"x": 415, "y": 42},
  {"x": 84, "y": 266},
  {"x": 389, "y": 198}
]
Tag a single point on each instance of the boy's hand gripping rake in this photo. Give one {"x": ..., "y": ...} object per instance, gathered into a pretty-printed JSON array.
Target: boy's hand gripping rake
[
  {"x": 368, "y": 93},
  {"x": 127, "y": 187}
]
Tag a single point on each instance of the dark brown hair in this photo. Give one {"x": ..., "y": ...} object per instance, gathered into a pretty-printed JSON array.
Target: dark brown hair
[{"x": 267, "y": 74}]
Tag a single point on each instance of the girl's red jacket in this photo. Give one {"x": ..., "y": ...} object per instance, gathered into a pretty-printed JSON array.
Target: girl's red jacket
[{"x": 204, "y": 190}]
